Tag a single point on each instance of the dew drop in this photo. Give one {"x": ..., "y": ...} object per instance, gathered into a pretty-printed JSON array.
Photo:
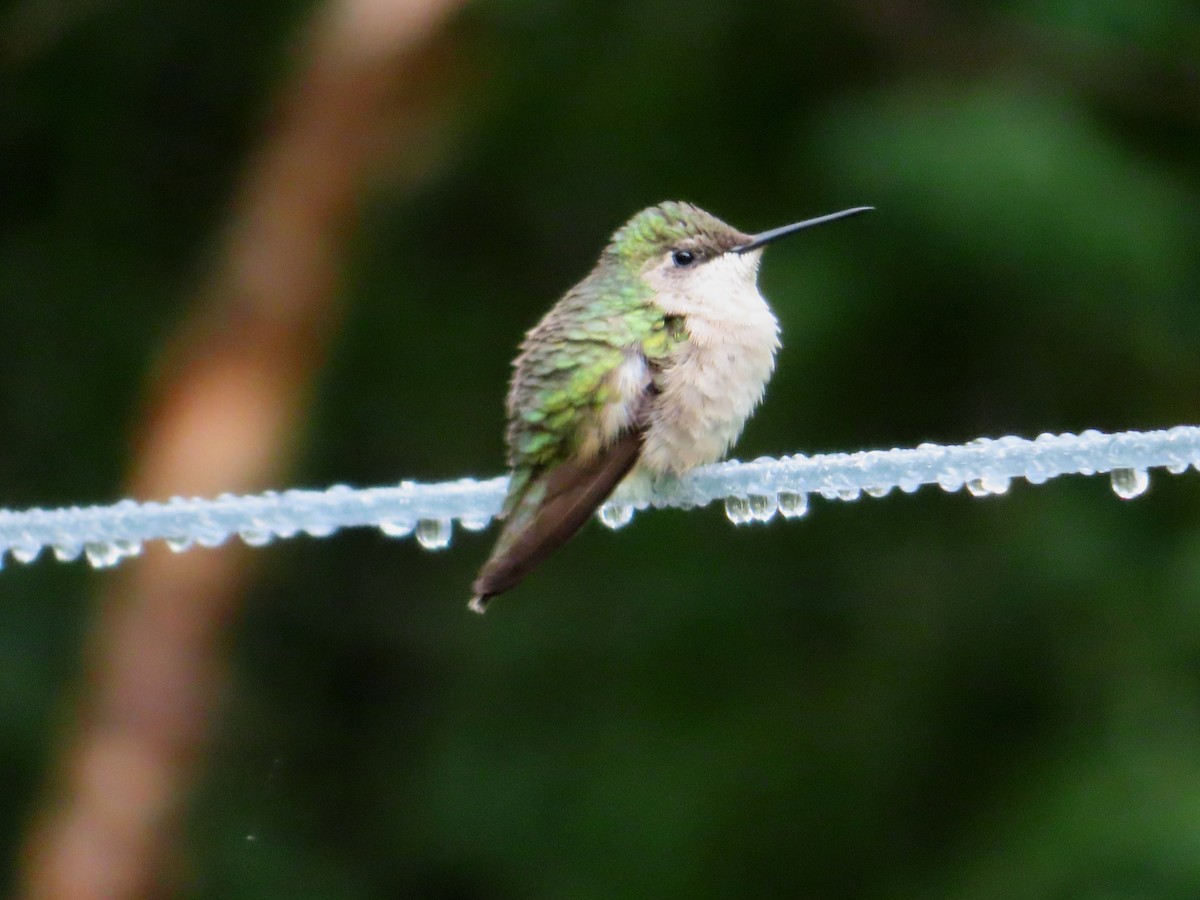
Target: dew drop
[
  {"x": 475, "y": 521},
  {"x": 67, "y": 552},
  {"x": 880, "y": 490},
  {"x": 319, "y": 529},
  {"x": 996, "y": 484},
  {"x": 950, "y": 483},
  {"x": 256, "y": 537},
  {"x": 211, "y": 537},
  {"x": 762, "y": 507},
  {"x": 25, "y": 553},
  {"x": 1129, "y": 483},
  {"x": 128, "y": 548},
  {"x": 909, "y": 484},
  {"x": 849, "y": 494},
  {"x": 1177, "y": 468},
  {"x": 792, "y": 505},
  {"x": 434, "y": 534},
  {"x": 179, "y": 544},
  {"x": 396, "y": 528},
  {"x": 737, "y": 510},
  {"x": 615, "y": 515},
  {"x": 976, "y": 488},
  {"x": 102, "y": 554}
]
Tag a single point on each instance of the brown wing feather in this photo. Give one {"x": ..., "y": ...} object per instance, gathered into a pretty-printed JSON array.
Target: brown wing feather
[{"x": 573, "y": 491}]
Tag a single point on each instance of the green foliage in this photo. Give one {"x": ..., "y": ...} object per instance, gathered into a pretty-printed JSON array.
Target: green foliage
[{"x": 920, "y": 696}]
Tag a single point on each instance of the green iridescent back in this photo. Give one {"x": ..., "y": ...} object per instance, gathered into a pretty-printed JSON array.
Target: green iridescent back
[{"x": 560, "y": 374}]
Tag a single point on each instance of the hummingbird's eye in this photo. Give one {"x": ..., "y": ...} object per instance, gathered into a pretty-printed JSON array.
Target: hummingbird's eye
[{"x": 683, "y": 258}]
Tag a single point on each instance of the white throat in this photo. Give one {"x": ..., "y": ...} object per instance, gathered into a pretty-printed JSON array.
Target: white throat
[{"x": 719, "y": 375}]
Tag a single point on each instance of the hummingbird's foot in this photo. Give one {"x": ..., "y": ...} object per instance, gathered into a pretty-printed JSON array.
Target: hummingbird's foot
[{"x": 664, "y": 484}]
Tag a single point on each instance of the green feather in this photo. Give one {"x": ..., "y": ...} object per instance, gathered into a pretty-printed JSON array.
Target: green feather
[{"x": 560, "y": 383}]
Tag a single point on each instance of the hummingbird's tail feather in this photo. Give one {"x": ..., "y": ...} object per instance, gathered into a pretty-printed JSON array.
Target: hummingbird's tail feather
[
  {"x": 478, "y": 604},
  {"x": 552, "y": 507}
]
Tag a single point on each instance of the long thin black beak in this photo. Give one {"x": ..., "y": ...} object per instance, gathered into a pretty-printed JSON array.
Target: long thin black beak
[{"x": 766, "y": 237}]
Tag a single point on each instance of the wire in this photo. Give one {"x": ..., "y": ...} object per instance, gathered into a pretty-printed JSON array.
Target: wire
[{"x": 752, "y": 491}]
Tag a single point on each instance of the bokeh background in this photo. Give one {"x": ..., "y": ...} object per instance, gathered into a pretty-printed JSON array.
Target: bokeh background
[{"x": 920, "y": 696}]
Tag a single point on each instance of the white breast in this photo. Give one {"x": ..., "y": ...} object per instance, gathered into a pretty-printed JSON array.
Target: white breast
[{"x": 721, "y": 372}]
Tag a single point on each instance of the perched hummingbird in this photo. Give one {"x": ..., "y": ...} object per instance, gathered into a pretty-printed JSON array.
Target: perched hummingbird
[{"x": 652, "y": 363}]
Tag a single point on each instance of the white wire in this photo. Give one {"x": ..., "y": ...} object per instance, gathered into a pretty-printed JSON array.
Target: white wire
[{"x": 105, "y": 535}]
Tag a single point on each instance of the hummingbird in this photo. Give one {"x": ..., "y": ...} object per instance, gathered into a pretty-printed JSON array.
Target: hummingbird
[{"x": 648, "y": 367}]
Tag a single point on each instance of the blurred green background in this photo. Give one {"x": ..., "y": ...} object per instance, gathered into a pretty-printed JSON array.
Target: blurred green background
[{"x": 920, "y": 696}]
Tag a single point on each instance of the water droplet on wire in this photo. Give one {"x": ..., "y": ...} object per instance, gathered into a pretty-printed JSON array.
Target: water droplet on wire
[
  {"x": 67, "y": 552},
  {"x": 996, "y": 484},
  {"x": 792, "y": 505},
  {"x": 256, "y": 537},
  {"x": 1129, "y": 483},
  {"x": 434, "y": 534},
  {"x": 616, "y": 515},
  {"x": 737, "y": 510},
  {"x": 102, "y": 554},
  {"x": 397, "y": 528},
  {"x": 475, "y": 521},
  {"x": 25, "y": 553},
  {"x": 762, "y": 507}
]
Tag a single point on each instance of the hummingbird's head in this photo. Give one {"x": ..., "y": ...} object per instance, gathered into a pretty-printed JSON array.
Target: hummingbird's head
[
  {"x": 683, "y": 253},
  {"x": 676, "y": 243},
  {"x": 673, "y": 234}
]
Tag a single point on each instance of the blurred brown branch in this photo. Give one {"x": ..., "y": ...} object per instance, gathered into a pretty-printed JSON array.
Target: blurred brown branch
[{"x": 224, "y": 416}]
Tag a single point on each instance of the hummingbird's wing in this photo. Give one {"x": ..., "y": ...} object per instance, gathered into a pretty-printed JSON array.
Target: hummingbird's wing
[
  {"x": 578, "y": 407},
  {"x": 563, "y": 473}
]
